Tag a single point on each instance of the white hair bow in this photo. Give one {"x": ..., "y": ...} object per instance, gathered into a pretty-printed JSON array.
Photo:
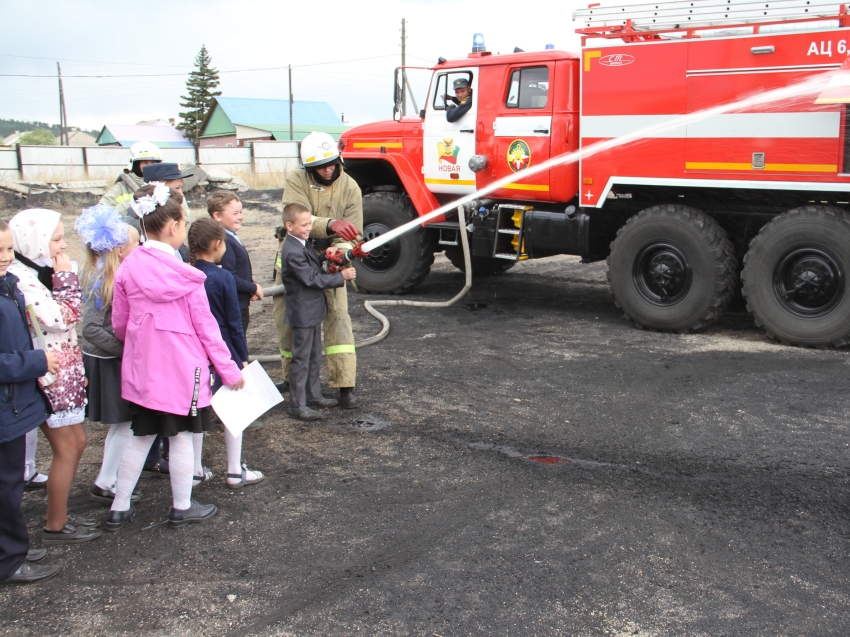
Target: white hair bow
[{"x": 147, "y": 204}]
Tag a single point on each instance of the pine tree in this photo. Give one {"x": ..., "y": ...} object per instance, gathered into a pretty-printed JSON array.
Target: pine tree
[{"x": 201, "y": 87}]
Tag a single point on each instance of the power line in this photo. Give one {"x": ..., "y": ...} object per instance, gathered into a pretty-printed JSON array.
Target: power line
[{"x": 270, "y": 68}]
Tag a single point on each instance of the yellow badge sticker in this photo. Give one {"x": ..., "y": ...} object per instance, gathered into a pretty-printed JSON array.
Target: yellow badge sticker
[{"x": 519, "y": 155}]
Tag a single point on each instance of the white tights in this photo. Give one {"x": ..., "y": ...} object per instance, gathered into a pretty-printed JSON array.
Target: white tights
[
  {"x": 233, "y": 447},
  {"x": 180, "y": 461},
  {"x": 29, "y": 467},
  {"x": 116, "y": 441}
]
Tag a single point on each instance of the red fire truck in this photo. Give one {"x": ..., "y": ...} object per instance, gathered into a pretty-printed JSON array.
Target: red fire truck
[{"x": 755, "y": 196}]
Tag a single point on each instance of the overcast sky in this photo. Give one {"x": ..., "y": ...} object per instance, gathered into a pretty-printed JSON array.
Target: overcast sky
[{"x": 155, "y": 43}]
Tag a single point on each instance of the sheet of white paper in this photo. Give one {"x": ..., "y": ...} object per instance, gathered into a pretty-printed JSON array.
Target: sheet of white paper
[{"x": 238, "y": 409}]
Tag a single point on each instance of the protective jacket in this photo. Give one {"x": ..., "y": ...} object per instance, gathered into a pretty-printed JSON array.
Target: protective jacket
[
  {"x": 23, "y": 406},
  {"x": 161, "y": 312},
  {"x": 341, "y": 200},
  {"x": 121, "y": 193}
]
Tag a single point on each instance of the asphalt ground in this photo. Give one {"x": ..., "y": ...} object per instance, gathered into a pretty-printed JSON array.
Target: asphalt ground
[{"x": 524, "y": 463}]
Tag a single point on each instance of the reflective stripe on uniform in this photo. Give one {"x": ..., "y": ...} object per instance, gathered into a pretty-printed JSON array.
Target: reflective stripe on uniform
[
  {"x": 123, "y": 198},
  {"x": 285, "y": 354},
  {"x": 339, "y": 349}
]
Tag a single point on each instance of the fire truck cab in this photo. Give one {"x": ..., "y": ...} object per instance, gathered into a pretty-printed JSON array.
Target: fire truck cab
[{"x": 693, "y": 158}]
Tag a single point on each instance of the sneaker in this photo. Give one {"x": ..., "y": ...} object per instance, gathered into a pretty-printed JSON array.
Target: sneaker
[
  {"x": 70, "y": 534},
  {"x": 305, "y": 413},
  {"x": 106, "y": 496},
  {"x": 323, "y": 401},
  {"x": 347, "y": 398},
  {"x": 79, "y": 520},
  {"x": 116, "y": 519},
  {"x": 31, "y": 573},
  {"x": 197, "y": 512}
]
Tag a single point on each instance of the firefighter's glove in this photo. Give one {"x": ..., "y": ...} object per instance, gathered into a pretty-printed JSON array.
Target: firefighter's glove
[{"x": 344, "y": 229}]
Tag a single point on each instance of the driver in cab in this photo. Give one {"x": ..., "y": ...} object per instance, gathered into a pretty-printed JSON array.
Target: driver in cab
[{"x": 462, "y": 100}]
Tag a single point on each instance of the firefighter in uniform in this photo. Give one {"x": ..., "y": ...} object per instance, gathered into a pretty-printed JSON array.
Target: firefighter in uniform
[
  {"x": 462, "y": 100},
  {"x": 335, "y": 201}
]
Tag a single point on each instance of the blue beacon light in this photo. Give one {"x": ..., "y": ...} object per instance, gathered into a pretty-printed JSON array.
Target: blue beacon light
[
  {"x": 478, "y": 43},
  {"x": 550, "y": 47}
]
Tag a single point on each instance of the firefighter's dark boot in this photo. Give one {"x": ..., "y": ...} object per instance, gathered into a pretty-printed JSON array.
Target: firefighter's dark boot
[{"x": 347, "y": 398}]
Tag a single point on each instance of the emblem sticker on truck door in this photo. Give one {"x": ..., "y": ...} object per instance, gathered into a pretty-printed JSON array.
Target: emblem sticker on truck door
[{"x": 519, "y": 155}]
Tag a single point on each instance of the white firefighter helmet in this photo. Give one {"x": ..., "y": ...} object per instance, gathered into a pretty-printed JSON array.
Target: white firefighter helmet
[
  {"x": 144, "y": 151},
  {"x": 318, "y": 149}
]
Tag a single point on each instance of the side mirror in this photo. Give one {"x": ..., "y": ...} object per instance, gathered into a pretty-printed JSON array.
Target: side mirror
[{"x": 422, "y": 114}]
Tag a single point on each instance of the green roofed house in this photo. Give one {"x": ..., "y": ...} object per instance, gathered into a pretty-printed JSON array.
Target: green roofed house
[{"x": 232, "y": 121}]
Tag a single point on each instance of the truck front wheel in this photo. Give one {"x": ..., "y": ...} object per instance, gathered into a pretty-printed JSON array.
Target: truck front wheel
[
  {"x": 795, "y": 277},
  {"x": 672, "y": 268},
  {"x": 401, "y": 264}
]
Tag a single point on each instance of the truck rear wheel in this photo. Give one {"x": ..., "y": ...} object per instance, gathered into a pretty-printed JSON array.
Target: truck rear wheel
[
  {"x": 672, "y": 268},
  {"x": 795, "y": 277},
  {"x": 401, "y": 264},
  {"x": 480, "y": 265}
]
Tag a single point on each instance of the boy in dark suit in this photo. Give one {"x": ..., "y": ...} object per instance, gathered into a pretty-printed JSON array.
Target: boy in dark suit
[{"x": 306, "y": 307}]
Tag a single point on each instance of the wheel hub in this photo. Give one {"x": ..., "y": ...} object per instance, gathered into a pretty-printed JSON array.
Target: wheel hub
[
  {"x": 662, "y": 274},
  {"x": 383, "y": 258},
  {"x": 809, "y": 282}
]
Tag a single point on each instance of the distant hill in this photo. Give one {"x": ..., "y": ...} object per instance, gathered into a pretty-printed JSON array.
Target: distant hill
[{"x": 9, "y": 126}]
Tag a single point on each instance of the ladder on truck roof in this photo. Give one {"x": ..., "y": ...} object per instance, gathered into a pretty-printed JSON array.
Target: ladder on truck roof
[{"x": 641, "y": 22}]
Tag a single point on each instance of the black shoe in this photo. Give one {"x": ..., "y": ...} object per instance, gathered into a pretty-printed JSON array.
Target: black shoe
[
  {"x": 197, "y": 512},
  {"x": 282, "y": 386},
  {"x": 79, "y": 520},
  {"x": 347, "y": 398},
  {"x": 305, "y": 413},
  {"x": 35, "y": 555},
  {"x": 31, "y": 573},
  {"x": 324, "y": 401},
  {"x": 105, "y": 496},
  {"x": 70, "y": 534},
  {"x": 116, "y": 519}
]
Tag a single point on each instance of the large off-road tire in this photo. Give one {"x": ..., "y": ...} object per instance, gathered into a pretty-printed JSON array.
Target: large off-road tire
[
  {"x": 480, "y": 265},
  {"x": 672, "y": 268},
  {"x": 404, "y": 262},
  {"x": 795, "y": 277}
]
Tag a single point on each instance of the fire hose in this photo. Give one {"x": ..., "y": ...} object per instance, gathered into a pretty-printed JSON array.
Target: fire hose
[{"x": 370, "y": 305}]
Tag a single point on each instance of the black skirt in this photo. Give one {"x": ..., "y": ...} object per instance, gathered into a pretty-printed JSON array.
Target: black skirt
[
  {"x": 104, "y": 391},
  {"x": 147, "y": 422}
]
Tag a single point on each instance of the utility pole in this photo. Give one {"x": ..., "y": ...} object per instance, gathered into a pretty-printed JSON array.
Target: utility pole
[
  {"x": 291, "y": 137},
  {"x": 63, "y": 116},
  {"x": 403, "y": 64}
]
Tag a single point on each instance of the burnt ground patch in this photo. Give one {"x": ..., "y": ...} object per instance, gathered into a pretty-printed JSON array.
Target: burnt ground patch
[{"x": 699, "y": 486}]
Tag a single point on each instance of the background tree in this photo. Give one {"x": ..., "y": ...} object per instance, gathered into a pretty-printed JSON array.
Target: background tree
[
  {"x": 201, "y": 87},
  {"x": 38, "y": 137}
]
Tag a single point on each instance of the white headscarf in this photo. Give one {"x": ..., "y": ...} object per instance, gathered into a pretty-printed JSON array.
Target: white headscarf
[{"x": 31, "y": 233}]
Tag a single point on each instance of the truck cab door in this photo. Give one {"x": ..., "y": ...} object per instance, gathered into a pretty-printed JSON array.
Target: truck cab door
[
  {"x": 447, "y": 146},
  {"x": 522, "y": 130}
]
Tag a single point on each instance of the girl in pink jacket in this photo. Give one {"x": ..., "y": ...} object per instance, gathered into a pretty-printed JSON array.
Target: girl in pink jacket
[{"x": 161, "y": 312}]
